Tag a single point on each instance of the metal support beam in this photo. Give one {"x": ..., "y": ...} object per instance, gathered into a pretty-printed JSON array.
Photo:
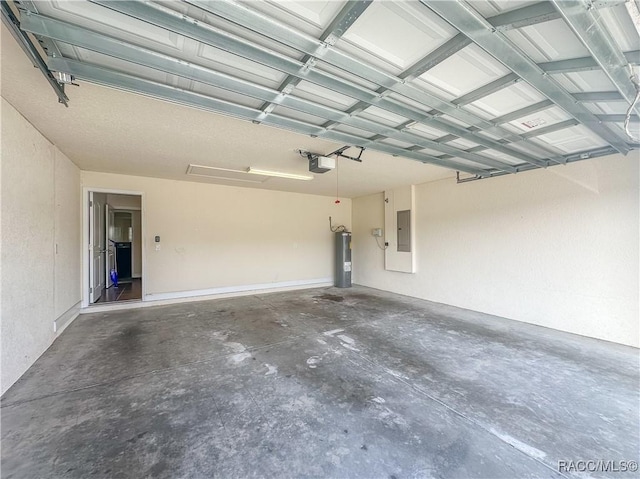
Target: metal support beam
[
  {"x": 570, "y": 65},
  {"x": 440, "y": 54},
  {"x": 587, "y": 27},
  {"x": 618, "y": 118},
  {"x": 487, "y": 89},
  {"x": 538, "y": 13},
  {"x": 13, "y": 24},
  {"x": 527, "y": 110},
  {"x": 552, "y": 128},
  {"x": 340, "y": 24},
  {"x": 351, "y": 11},
  {"x": 50, "y": 47},
  {"x": 106, "y": 45},
  {"x": 446, "y": 138},
  {"x": 186, "y": 26},
  {"x": 584, "y": 64},
  {"x": 596, "y": 96},
  {"x": 584, "y": 155},
  {"x": 273, "y": 29},
  {"x": 519, "y": 18},
  {"x": 525, "y": 16},
  {"x": 123, "y": 81},
  {"x": 468, "y": 21}
]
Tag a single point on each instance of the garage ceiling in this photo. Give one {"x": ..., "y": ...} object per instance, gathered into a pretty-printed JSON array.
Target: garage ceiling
[{"x": 485, "y": 87}]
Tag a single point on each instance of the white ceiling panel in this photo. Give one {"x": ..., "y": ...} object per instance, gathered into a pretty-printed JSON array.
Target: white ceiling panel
[
  {"x": 492, "y": 136},
  {"x": 498, "y": 155},
  {"x": 298, "y": 115},
  {"x": 489, "y": 8},
  {"x": 225, "y": 95},
  {"x": 393, "y": 32},
  {"x": 509, "y": 99},
  {"x": 478, "y": 67},
  {"x": 387, "y": 118},
  {"x": 399, "y": 144},
  {"x": 574, "y": 139},
  {"x": 590, "y": 81},
  {"x": 541, "y": 119},
  {"x": 231, "y": 64},
  {"x": 117, "y": 65},
  {"x": 317, "y": 13},
  {"x": 525, "y": 148},
  {"x": 618, "y": 22},
  {"x": 548, "y": 41},
  {"x": 425, "y": 130},
  {"x": 611, "y": 108},
  {"x": 100, "y": 19},
  {"x": 253, "y": 37},
  {"x": 454, "y": 121},
  {"x": 355, "y": 51},
  {"x": 443, "y": 92},
  {"x": 324, "y": 96},
  {"x": 344, "y": 75},
  {"x": 479, "y": 112},
  {"x": 353, "y": 131},
  {"x": 429, "y": 151},
  {"x": 462, "y": 143}
]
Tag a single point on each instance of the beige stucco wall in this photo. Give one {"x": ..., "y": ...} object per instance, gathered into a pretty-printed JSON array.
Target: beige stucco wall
[
  {"x": 215, "y": 236},
  {"x": 40, "y": 254},
  {"x": 556, "y": 247}
]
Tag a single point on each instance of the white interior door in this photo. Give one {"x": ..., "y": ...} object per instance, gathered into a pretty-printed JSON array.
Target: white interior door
[
  {"x": 96, "y": 249},
  {"x": 109, "y": 246}
]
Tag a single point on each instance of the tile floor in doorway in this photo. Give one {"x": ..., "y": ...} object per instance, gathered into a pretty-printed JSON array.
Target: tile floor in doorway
[{"x": 129, "y": 290}]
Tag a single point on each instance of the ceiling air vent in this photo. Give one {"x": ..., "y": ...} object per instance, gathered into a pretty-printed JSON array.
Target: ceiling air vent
[{"x": 225, "y": 174}]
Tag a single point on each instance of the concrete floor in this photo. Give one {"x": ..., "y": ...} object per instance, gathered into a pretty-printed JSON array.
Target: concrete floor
[{"x": 318, "y": 383}]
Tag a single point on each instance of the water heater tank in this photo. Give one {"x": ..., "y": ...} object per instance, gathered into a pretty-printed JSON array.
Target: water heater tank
[{"x": 343, "y": 259}]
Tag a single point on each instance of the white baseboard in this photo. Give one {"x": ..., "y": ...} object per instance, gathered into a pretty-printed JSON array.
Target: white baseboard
[
  {"x": 160, "y": 299},
  {"x": 66, "y": 318},
  {"x": 236, "y": 289}
]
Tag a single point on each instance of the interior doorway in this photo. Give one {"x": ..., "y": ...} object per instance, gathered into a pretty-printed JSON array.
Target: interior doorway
[{"x": 115, "y": 258}]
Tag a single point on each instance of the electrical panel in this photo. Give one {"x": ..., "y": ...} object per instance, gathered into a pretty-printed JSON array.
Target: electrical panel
[
  {"x": 404, "y": 230},
  {"x": 400, "y": 230}
]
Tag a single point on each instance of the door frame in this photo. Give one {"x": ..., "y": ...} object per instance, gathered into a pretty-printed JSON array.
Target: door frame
[
  {"x": 96, "y": 250},
  {"x": 107, "y": 224},
  {"x": 85, "y": 240}
]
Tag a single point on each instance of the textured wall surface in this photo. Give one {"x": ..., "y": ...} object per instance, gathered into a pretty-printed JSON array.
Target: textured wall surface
[
  {"x": 40, "y": 207},
  {"x": 67, "y": 234},
  {"x": 556, "y": 247},
  {"x": 215, "y": 236}
]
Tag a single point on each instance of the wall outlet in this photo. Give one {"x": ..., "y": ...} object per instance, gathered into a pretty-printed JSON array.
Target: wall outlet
[
  {"x": 157, "y": 247},
  {"x": 376, "y": 232}
]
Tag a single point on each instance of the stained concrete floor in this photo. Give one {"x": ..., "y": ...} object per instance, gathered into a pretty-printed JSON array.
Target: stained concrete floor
[{"x": 341, "y": 383}]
